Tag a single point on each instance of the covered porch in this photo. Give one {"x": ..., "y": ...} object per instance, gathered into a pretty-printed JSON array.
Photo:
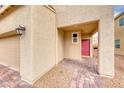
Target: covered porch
[
  {"x": 81, "y": 37},
  {"x": 78, "y": 66}
]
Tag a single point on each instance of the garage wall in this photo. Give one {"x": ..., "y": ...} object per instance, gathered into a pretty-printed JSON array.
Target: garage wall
[
  {"x": 10, "y": 47},
  {"x": 44, "y": 40},
  {"x": 15, "y": 52},
  {"x": 10, "y": 52}
]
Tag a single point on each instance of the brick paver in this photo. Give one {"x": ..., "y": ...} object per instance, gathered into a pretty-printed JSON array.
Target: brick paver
[
  {"x": 72, "y": 74},
  {"x": 85, "y": 74},
  {"x": 11, "y": 79}
]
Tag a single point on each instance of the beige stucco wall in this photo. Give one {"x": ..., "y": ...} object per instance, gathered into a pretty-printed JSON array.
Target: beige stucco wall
[
  {"x": 38, "y": 46},
  {"x": 60, "y": 46},
  {"x": 119, "y": 34},
  {"x": 20, "y": 58},
  {"x": 72, "y": 51},
  {"x": 26, "y": 44},
  {"x": 69, "y": 15},
  {"x": 8, "y": 23},
  {"x": 34, "y": 53},
  {"x": 43, "y": 39},
  {"x": 106, "y": 44}
]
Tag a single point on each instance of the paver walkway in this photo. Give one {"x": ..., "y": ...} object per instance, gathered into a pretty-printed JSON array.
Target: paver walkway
[
  {"x": 85, "y": 73},
  {"x": 72, "y": 74},
  {"x": 68, "y": 74},
  {"x": 11, "y": 79}
]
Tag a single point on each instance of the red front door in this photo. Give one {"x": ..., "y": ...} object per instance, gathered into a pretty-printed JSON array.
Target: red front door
[{"x": 85, "y": 47}]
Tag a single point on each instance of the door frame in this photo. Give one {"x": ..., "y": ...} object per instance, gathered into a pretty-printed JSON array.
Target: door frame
[{"x": 89, "y": 46}]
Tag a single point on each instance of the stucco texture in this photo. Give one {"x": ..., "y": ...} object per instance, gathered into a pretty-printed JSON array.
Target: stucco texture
[
  {"x": 10, "y": 47},
  {"x": 44, "y": 40},
  {"x": 42, "y": 46},
  {"x": 119, "y": 34},
  {"x": 34, "y": 53},
  {"x": 60, "y": 46},
  {"x": 70, "y": 15},
  {"x": 17, "y": 49},
  {"x": 72, "y": 51}
]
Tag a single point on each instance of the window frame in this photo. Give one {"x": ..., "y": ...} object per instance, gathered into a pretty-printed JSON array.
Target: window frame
[
  {"x": 121, "y": 21},
  {"x": 75, "y": 37},
  {"x": 117, "y": 44}
]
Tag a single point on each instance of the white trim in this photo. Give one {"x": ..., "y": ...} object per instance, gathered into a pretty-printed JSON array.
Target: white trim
[
  {"x": 85, "y": 56},
  {"x": 77, "y": 37},
  {"x": 108, "y": 76},
  {"x": 26, "y": 81}
]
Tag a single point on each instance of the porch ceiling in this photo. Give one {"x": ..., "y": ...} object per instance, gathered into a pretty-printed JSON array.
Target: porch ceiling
[{"x": 86, "y": 28}]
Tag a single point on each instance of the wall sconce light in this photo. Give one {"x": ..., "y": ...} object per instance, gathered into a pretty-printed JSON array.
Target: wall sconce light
[{"x": 20, "y": 30}]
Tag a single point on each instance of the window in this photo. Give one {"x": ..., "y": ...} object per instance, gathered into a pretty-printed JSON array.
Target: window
[
  {"x": 74, "y": 38},
  {"x": 121, "y": 21},
  {"x": 117, "y": 43}
]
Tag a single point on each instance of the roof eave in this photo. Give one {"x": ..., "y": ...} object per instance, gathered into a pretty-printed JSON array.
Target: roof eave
[
  {"x": 4, "y": 8},
  {"x": 122, "y": 13}
]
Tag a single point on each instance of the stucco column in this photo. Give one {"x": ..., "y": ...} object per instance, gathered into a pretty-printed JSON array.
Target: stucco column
[
  {"x": 106, "y": 45},
  {"x": 91, "y": 46},
  {"x": 26, "y": 58},
  {"x": 26, "y": 49}
]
